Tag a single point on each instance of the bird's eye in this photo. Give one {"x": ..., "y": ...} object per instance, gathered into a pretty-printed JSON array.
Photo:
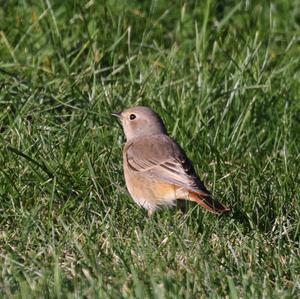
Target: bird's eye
[{"x": 132, "y": 116}]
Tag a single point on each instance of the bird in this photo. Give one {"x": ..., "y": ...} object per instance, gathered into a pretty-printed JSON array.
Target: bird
[{"x": 156, "y": 169}]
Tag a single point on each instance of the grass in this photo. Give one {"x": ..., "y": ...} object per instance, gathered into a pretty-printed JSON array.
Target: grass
[{"x": 224, "y": 76}]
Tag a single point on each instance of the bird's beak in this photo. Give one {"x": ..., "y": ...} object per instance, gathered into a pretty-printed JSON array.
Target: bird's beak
[{"x": 117, "y": 114}]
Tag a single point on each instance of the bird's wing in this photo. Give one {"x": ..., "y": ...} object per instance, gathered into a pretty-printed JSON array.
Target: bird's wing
[{"x": 159, "y": 156}]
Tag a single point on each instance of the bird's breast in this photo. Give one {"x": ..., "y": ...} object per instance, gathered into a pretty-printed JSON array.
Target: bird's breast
[{"x": 148, "y": 191}]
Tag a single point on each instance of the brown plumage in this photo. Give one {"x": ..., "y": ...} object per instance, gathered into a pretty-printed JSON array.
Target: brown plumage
[{"x": 156, "y": 169}]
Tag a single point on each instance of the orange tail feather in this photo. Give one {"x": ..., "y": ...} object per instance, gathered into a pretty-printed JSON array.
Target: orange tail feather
[{"x": 207, "y": 202}]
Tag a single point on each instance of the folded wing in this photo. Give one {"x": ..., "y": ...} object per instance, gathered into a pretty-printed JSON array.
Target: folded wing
[{"x": 159, "y": 156}]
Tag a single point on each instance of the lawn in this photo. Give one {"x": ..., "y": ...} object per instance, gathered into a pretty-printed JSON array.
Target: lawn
[{"x": 225, "y": 78}]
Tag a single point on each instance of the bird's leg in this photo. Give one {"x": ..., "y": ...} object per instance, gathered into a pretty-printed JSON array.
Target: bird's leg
[
  {"x": 181, "y": 205},
  {"x": 150, "y": 213}
]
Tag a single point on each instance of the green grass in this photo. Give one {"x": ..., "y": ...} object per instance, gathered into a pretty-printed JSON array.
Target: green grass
[{"x": 224, "y": 76}]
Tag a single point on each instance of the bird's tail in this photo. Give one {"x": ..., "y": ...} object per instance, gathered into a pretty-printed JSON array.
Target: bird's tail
[{"x": 207, "y": 202}]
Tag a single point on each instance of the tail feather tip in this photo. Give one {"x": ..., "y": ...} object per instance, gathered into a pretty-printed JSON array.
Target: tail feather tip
[{"x": 209, "y": 203}]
